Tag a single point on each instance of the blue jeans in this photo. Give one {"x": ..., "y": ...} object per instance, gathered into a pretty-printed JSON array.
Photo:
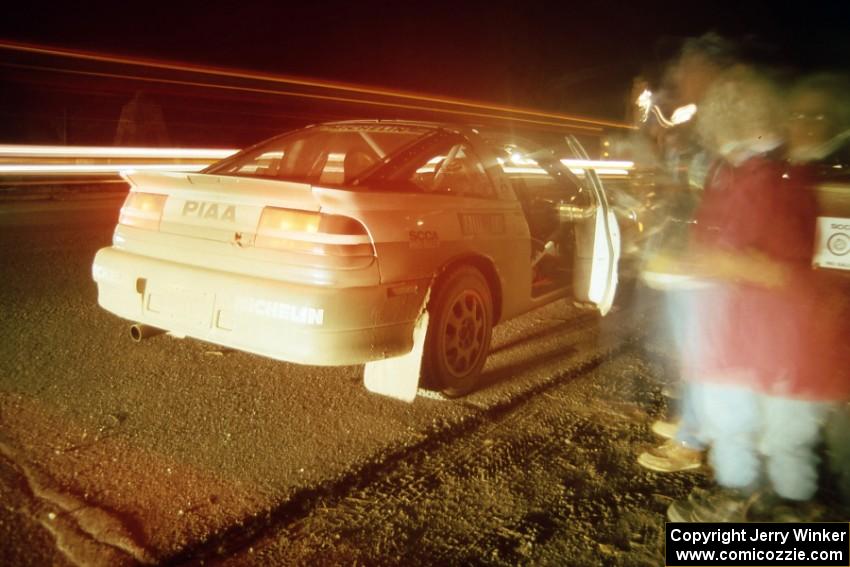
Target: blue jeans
[
  {"x": 689, "y": 432},
  {"x": 743, "y": 425},
  {"x": 680, "y": 321}
]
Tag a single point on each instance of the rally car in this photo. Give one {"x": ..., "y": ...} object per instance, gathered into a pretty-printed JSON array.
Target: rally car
[{"x": 326, "y": 245}]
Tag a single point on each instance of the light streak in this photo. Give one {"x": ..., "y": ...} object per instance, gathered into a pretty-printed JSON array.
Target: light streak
[
  {"x": 680, "y": 115},
  {"x": 284, "y": 79},
  {"x": 683, "y": 114},
  {"x": 202, "y": 158},
  {"x": 598, "y": 163},
  {"x": 312, "y": 96},
  {"x": 73, "y": 168},
  {"x": 602, "y": 171},
  {"x": 14, "y": 150},
  {"x": 644, "y": 102},
  {"x": 17, "y": 182}
]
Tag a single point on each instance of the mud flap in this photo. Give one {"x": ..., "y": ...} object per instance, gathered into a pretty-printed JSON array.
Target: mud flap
[{"x": 398, "y": 377}]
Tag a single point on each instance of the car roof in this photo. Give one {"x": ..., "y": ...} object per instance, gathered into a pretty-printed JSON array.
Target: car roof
[
  {"x": 394, "y": 122},
  {"x": 458, "y": 127}
]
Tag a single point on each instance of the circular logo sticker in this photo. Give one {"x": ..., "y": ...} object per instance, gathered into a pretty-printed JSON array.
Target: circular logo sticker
[{"x": 838, "y": 244}]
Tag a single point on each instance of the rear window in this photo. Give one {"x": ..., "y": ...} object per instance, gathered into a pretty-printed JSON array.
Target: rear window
[{"x": 328, "y": 155}]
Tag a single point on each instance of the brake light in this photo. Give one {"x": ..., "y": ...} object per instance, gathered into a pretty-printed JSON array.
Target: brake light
[
  {"x": 287, "y": 220},
  {"x": 142, "y": 210},
  {"x": 307, "y": 232}
]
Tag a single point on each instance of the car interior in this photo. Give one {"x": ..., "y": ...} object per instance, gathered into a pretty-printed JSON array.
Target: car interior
[{"x": 556, "y": 208}]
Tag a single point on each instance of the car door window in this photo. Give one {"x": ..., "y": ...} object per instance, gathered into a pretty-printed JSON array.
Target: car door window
[
  {"x": 542, "y": 179},
  {"x": 453, "y": 170},
  {"x": 548, "y": 194}
]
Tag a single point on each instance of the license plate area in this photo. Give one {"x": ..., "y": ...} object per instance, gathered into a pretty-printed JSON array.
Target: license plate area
[{"x": 187, "y": 306}]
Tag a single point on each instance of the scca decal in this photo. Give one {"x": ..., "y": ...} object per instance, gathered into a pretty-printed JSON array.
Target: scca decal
[
  {"x": 424, "y": 239},
  {"x": 838, "y": 244}
]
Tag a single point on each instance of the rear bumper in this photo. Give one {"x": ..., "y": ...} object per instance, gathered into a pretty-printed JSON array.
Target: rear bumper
[{"x": 291, "y": 322}]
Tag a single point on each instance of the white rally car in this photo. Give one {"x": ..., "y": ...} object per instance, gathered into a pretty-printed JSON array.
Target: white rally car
[{"x": 328, "y": 245}]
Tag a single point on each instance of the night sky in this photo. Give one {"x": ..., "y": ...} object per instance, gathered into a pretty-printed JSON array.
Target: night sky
[{"x": 563, "y": 56}]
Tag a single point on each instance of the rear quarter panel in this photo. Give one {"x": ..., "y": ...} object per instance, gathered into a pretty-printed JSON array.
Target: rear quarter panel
[{"x": 417, "y": 235}]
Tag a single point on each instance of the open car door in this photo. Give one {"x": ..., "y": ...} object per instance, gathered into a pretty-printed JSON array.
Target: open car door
[{"x": 597, "y": 252}]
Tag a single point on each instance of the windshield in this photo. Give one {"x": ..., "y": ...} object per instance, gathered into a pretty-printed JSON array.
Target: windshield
[{"x": 330, "y": 155}]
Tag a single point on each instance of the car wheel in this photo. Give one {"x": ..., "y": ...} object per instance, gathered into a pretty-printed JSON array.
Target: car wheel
[{"x": 459, "y": 329}]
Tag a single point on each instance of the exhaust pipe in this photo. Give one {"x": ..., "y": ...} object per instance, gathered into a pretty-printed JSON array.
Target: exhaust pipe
[{"x": 139, "y": 331}]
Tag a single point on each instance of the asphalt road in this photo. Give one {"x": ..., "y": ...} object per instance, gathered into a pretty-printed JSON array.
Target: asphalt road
[{"x": 116, "y": 453}]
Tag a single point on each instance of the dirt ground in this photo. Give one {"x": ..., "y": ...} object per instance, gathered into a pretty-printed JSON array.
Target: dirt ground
[{"x": 553, "y": 482}]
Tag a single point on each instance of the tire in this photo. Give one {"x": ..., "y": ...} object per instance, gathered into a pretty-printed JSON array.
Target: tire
[{"x": 460, "y": 325}]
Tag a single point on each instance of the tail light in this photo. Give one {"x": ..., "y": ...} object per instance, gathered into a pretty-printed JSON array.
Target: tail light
[
  {"x": 307, "y": 232},
  {"x": 142, "y": 210}
]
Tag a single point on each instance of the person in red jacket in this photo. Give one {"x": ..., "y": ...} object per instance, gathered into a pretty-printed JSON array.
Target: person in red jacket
[
  {"x": 819, "y": 149},
  {"x": 764, "y": 389}
]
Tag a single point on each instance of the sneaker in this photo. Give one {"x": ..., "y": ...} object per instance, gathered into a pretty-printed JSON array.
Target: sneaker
[
  {"x": 720, "y": 505},
  {"x": 672, "y": 456},
  {"x": 666, "y": 429}
]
